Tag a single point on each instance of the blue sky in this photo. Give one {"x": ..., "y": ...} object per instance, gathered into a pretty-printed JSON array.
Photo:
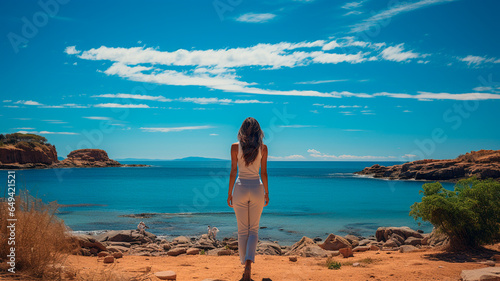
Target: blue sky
[{"x": 327, "y": 80}]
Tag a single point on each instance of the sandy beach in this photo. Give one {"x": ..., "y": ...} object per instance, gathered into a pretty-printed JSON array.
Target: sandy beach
[{"x": 374, "y": 265}]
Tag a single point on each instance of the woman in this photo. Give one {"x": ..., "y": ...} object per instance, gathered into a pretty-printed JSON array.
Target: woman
[{"x": 251, "y": 194}]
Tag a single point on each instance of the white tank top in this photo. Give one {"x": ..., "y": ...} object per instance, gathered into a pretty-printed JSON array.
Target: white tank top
[{"x": 251, "y": 171}]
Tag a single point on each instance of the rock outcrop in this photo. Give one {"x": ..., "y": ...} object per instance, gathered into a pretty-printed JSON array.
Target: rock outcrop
[
  {"x": 87, "y": 158},
  {"x": 482, "y": 164},
  {"x": 27, "y": 156}
]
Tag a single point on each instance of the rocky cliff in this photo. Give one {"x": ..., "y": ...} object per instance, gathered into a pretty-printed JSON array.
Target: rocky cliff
[
  {"x": 482, "y": 164},
  {"x": 87, "y": 158},
  {"x": 26, "y": 156},
  {"x": 30, "y": 151}
]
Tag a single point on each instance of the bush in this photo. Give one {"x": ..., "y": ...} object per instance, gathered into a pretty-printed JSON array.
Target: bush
[
  {"x": 469, "y": 215},
  {"x": 331, "y": 264},
  {"x": 40, "y": 237}
]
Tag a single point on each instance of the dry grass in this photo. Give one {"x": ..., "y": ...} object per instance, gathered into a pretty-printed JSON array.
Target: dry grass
[{"x": 41, "y": 244}]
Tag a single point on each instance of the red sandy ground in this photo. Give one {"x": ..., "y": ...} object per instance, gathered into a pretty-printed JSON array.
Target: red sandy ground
[{"x": 384, "y": 266}]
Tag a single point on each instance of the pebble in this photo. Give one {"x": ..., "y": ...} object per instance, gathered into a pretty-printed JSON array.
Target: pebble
[{"x": 356, "y": 264}]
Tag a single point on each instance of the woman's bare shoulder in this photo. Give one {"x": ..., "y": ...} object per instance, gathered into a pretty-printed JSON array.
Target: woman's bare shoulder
[{"x": 234, "y": 145}]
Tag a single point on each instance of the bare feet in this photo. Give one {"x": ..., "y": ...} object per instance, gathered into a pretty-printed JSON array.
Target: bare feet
[{"x": 247, "y": 272}]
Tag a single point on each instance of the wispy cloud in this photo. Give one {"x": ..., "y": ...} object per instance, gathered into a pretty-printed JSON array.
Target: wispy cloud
[
  {"x": 321, "y": 81},
  {"x": 289, "y": 157},
  {"x": 256, "y": 18},
  {"x": 97, "y": 118},
  {"x": 390, "y": 12},
  {"x": 219, "y": 101},
  {"x": 442, "y": 96},
  {"x": 135, "y": 97},
  {"x": 316, "y": 154},
  {"x": 396, "y": 53},
  {"x": 478, "y": 60},
  {"x": 48, "y": 133},
  {"x": 118, "y": 105},
  {"x": 173, "y": 129},
  {"x": 28, "y": 102},
  {"x": 297, "y": 126}
]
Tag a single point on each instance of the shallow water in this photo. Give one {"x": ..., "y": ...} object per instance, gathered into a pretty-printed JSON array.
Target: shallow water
[{"x": 306, "y": 198}]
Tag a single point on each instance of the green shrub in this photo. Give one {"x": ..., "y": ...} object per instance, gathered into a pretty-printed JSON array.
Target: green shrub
[
  {"x": 469, "y": 215},
  {"x": 331, "y": 264}
]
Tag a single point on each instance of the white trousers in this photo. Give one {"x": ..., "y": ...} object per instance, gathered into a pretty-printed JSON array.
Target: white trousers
[{"x": 248, "y": 203}]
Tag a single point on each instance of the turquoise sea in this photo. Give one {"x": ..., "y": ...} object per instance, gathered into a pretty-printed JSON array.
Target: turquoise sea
[{"x": 184, "y": 197}]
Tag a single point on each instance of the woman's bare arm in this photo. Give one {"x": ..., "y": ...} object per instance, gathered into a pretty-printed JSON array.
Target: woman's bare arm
[
  {"x": 263, "y": 172},
  {"x": 233, "y": 173}
]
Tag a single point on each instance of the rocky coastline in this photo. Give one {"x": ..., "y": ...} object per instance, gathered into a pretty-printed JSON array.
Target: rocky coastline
[
  {"x": 117, "y": 243},
  {"x": 45, "y": 157},
  {"x": 482, "y": 164}
]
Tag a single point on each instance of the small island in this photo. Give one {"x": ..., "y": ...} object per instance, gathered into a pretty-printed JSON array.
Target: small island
[
  {"x": 30, "y": 151},
  {"x": 482, "y": 164}
]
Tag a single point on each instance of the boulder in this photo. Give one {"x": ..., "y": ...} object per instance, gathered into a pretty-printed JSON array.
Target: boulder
[
  {"x": 334, "y": 242},
  {"x": 488, "y": 273},
  {"x": 108, "y": 259},
  {"x": 390, "y": 244},
  {"x": 385, "y": 233},
  {"x": 130, "y": 236},
  {"x": 292, "y": 258},
  {"x": 413, "y": 241},
  {"x": 166, "y": 275},
  {"x": 361, "y": 249},
  {"x": 268, "y": 248},
  {"x": 176, "y": 251},
  {"x": 374, "y": 247},
  {"x": 224, "y": 252},
  {"x": 102, "y": 254},
  {"x": 407, "y": 248},
  {"x": 117, "y": 255},
  {"x": 346, "y": 252},
  {"x": 193, "y": 251},
  {"x": 181, "y": 240},
  {"x": 306, "y": 247}
]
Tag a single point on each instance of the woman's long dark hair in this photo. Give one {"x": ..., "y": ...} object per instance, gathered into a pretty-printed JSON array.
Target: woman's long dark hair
[{"x": 250, "y": 137}]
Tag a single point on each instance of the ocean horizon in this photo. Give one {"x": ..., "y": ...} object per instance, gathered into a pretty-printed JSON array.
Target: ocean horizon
[{"x": 175, "y": 197}]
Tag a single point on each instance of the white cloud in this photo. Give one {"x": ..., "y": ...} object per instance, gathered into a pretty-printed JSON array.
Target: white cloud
[
  {"x": 219, "y": 101},
  {"x": 289, "y": 157},
  {"x": 24, "y": 128},
  {"x": 316, "y": 154},
  {"x": 256, "y": 18},
  {"x": 67, "y": 105},
  {"x": 71, "y": 50},
  {"x": 11, "y": 106},
  {"x": 213, "y": 134},
  {"x": 7, "y": 100},
  {"x": 406, "y": 111},
  {"x": 477, "y": 60},
  {"x": 383, "y": 17},
  {"x": 352, "y": 5},
  {"x": 353, "y": 130},
  {"x": 28, "y": 102},
  {"x": 396, "y": 53},
  {"x": 441, "y": 96},
  {"x": 173, "y": 129},
  {"x": 321, "y": 81},
  {"x": 409, "y": 156},
  {"x": 118, "y": 105},
  {"x": 48, "y": 133},
  {"x": 136, "y": 97},
  {"x": 297, "y": 126},
  {"x": 97, "y": 118}
]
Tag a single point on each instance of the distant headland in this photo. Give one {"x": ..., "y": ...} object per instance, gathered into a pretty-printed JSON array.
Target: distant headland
[
  {"x": 482, "y": 164},
  {"x": 30, "y": 151}
]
